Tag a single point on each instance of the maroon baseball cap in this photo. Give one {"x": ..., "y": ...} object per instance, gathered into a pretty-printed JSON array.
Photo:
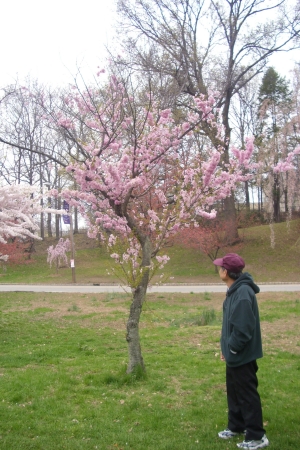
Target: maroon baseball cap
[{"x": 231, "y": 261}]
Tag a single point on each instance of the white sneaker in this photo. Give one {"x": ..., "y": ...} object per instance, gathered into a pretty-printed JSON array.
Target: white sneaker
[
  {"x": 253, "y": 445},
  {"x": 227, "y": 434}
]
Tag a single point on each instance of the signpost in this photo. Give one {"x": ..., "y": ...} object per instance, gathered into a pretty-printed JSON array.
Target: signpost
[{"x": 68, "y": 220}]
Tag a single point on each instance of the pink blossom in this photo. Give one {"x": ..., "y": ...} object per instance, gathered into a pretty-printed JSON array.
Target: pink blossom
[
  {"x": 288, "y": 163},
  {"x": 57, "y": 254},
  {"x": 134, "y": 181},
  {"x": 162, "y": 260}
]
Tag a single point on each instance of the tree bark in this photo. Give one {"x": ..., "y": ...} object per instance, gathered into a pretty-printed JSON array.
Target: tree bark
[
  {"x": 230, "y": 220},
  {"x": 76, "y": 230},
  {"x": 57, "y": 205},
  {"x": 42, "y": 225},
  {"x": 247, "y": 195},
  {"x": 139, "y": 293},
  {"x": 229, "y": 203},
  {"x": 49, "y": 224},
  {"x": 132, "y": 336},
  {"x": 276, "y": 199}
]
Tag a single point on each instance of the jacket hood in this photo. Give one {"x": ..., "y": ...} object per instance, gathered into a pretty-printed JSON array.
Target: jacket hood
[{"x": 247, "y": 279}]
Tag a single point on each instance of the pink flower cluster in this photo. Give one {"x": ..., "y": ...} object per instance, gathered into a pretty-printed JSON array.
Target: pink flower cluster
[
  {"x": 288, "y": 163},
  {"x": 243, "y": 156},
  {"x": 57, "y": 254},
  {"x": 143, "y": 177}
]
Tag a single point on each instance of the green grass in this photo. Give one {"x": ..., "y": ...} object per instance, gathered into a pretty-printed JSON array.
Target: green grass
[
  {"x": 93, "y": 264},
  {"x": 63, "y": 383}
]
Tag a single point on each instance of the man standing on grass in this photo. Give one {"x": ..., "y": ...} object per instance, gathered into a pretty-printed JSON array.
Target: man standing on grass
[{"x": 241, "y": 346}]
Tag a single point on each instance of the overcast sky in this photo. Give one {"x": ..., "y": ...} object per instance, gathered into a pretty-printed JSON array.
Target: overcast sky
[{"x": 49, "y": 39}]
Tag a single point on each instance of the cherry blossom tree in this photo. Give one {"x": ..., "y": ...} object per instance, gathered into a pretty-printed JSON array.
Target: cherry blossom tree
[
  {"x": 18, "y": 208},
  {"x": 142, "y": 178},
  {"x": 58, "y": 254},
  {"x": 207, "y": 237}
]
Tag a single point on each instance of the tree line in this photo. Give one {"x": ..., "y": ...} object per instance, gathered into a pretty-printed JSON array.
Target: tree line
[
  {"x": 36, "y": 149},
  {"x": 180, "y": 49}
]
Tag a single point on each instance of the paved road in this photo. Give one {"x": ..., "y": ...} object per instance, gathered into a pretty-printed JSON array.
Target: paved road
[{"x": 184, "y": 288}]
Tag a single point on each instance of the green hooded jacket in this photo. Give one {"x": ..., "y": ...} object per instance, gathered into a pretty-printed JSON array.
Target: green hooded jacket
[{"x": 241, "y": 336}]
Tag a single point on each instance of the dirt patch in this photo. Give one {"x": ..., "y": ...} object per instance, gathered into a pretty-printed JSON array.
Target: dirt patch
[
  {"x": 92, "y": 311},
  {"x": 282, "y": 335}
]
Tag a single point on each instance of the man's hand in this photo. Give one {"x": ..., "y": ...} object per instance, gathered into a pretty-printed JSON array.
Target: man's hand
[{"x": 222, "y": 357}]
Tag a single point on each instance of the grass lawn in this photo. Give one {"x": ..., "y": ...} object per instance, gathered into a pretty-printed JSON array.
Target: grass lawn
[
  {"x": 63, "y": 383},
  {"x": 93, "y": 264}
]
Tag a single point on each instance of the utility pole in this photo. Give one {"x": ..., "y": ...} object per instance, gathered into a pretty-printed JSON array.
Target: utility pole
[{"x": 68, "y": 220}]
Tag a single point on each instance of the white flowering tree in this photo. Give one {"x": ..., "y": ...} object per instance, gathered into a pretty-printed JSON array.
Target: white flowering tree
[
  {"x": 58, "y": 254},
  {"x": 18, "y": 207}
]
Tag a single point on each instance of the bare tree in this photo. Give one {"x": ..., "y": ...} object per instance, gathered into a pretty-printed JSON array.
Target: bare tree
[
  {"x": 244, "y": 120},
  {"x": 30, "y": 146},
  {"x": 23, "y": 126},
  {"x": 277, "y": 137},
  {"x": 201, "y": 44}
]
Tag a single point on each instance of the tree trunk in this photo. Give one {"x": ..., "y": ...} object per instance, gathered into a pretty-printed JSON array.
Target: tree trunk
[
  {"x": 57, "y": 205},
  {"x": 276, "y": 199},
  {"x": 76, "y": 231},
  {"x": 247, "y": 195},
  {"x": 286, "y": 200},
  {"x": 42, "y": 226},
  {"x": 132, "y": 336},
  {"x": 49, "y": 225},
  {"x": 230, "y": 220},
  {"x": 229, "y": 203},
  {"x": 139, "y": 293}
]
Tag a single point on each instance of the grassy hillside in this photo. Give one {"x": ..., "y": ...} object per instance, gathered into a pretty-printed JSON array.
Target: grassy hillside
[{"x": 93, "y": 265}]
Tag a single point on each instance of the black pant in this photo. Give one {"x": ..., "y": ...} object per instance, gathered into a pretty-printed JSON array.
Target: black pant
[{"x": 244, "y": 406}]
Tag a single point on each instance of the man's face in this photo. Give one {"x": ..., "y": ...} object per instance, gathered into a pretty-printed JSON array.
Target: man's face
[{"x": 222, "y": 273}]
